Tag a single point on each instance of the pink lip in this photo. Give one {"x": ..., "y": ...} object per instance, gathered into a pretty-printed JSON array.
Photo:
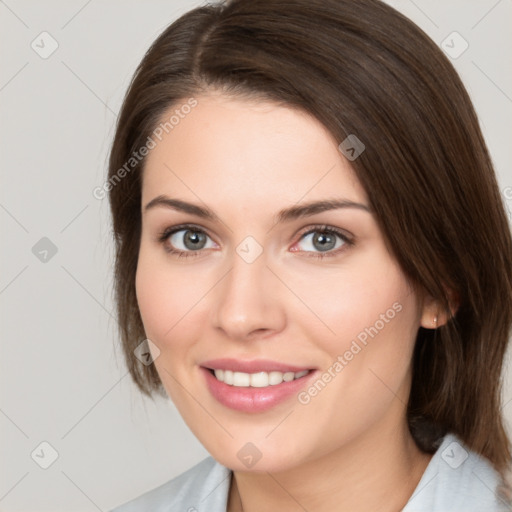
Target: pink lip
[
  {"x": 254, "y": 400},
  {"x": 255, "y": 366}
]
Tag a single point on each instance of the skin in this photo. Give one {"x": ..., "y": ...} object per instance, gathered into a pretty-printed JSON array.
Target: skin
[{"x": 349, "y": 448}]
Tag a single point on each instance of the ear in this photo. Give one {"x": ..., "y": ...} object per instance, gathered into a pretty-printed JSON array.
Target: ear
[{"x": 434, "y": 315}]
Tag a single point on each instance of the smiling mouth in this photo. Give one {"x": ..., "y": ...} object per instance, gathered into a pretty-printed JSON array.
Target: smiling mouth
[{"x": 256, "y": 380}]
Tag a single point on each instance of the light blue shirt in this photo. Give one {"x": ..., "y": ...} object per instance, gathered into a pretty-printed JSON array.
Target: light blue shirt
[{"x": 456, "y": 480}]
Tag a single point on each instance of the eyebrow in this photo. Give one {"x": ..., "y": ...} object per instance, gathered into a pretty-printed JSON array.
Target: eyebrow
[{"x": 285, "y": 215}]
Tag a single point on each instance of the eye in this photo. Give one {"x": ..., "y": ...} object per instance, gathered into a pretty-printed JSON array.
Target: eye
[
  {"x": 328, "y": 240},
  {"x": 189, "y": 241},
  {"x": 185, "y": 240}
]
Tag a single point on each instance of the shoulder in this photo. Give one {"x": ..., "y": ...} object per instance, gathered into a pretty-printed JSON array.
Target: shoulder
[
  {"x": 457, "y": 479},
  {"x": 205, "y": 486}
]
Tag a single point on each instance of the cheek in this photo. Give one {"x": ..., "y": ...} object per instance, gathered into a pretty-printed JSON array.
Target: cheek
[
  {"x": 158, "y": 307},
  {"x": 166, "y": 303},
  {"x": 150, "y": 286},
  {"x": 357, "y": 302},
  {"x": 377, "y": 339},
  {"x": 170, "y": 301},
  {"x": 372, "y": 315}
]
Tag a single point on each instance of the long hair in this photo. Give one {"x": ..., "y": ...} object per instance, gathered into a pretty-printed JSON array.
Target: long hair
[{"x": 360, "y": 68}]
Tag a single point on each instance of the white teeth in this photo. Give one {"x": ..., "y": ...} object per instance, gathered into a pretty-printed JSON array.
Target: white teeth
[
  {"x": 228, "y": 377},
  {"x": 275, "y": 378},
  {"x": 241, "y": 379},
  {"x": 256, "y": 380},
  {"x": 259, "y": 380},
  {"x": 288, "y": 376}
]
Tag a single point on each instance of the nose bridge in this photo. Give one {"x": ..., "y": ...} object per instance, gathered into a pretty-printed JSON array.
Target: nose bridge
[{"x": 247, "y": 299}]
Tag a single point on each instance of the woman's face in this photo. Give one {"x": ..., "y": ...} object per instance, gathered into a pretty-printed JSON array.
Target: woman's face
[{"x": 249, "y": 285}]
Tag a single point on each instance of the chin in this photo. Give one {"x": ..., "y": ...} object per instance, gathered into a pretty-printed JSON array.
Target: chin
[{"x": 253, "y": 458}]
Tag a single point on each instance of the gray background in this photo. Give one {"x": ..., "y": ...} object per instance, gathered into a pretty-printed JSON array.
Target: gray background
[{"x": 62, "y": 377}]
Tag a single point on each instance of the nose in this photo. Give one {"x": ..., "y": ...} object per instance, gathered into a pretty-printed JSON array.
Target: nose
[{"x": 248, "y": 302}]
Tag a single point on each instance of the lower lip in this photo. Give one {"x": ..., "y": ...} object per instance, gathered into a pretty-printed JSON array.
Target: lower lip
[{"x": 249, "y": 399}]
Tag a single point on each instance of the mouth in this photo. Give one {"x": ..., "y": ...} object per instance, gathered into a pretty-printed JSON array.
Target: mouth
[
  {"x": 256, "y": 380},
  {"x": 254, "y": 386}
]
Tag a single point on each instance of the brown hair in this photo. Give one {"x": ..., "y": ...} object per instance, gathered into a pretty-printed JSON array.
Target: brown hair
[{"x": 360, "y": 68}]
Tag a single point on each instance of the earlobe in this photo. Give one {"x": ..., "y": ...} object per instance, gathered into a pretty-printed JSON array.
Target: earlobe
[
  {"x": 433, "y": 315},
  {"x": 431, "y": 319}
]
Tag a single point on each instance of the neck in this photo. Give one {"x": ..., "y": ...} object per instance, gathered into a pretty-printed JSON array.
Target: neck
[{"x": 378, "y": 471}]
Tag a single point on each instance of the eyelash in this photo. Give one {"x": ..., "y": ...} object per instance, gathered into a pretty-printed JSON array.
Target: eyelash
[{"x": 323, "y": 228}]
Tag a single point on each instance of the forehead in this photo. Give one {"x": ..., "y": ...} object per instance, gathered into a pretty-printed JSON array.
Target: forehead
[{"x": 250, "y": 153}]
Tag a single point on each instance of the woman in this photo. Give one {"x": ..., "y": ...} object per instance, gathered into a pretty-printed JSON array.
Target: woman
[{"x": 313, "y": 262}]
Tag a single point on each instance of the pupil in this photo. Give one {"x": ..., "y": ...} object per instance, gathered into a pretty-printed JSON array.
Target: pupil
[
  {"x": 326, "y": 241},
  {"x": 194, "y": 237}
]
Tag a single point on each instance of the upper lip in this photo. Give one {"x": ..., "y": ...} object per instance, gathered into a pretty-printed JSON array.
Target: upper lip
[{"x": 254, "y": 366}]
